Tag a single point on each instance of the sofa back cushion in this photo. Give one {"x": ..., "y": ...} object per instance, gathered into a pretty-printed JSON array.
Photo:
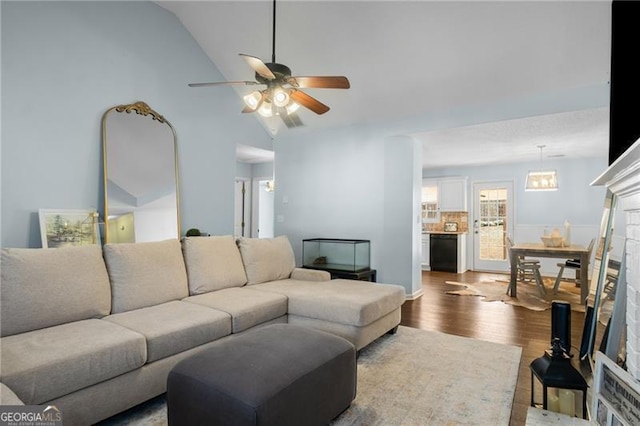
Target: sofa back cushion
[
  {"x": 145, "y": 274},
  {"x": 46, "y": 287},
  {"x": 213, "y": 263},
  {"x": 266, "y": 259}
]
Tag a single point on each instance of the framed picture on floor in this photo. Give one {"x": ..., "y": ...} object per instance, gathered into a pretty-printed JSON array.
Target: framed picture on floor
[
  {"x": 616, "y": 394},
  {"x": 63, "y": 228}
]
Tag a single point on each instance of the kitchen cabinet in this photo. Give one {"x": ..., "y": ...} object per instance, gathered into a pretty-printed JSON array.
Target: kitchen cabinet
[
  {"x": 425, "y": 253},
  {"x": 452, "y": 194},
  {"x": 443, "y": 195}
]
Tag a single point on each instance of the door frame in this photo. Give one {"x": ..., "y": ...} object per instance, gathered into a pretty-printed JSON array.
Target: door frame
[
  {"x": 242, "y": 204},
  {"x": 476, "y": 186}
]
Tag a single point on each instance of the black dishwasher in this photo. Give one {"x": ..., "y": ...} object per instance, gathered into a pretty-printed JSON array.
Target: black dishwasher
[{"x": 443, "y": 251}]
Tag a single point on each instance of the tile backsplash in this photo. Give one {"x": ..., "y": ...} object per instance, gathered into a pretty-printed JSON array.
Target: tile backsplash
[{"x": 461, "y": 218}]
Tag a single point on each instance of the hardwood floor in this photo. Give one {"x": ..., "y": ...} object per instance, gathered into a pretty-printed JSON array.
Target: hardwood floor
[{"x": 491, "y": 321}]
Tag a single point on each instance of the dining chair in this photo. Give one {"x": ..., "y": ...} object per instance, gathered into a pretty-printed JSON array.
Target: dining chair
[
  {"x": 572, "y": 264},
  {"x": 525, "y": 276},
  {"x": 527, "y": 267},
  {"x": 611, "y": 281}
]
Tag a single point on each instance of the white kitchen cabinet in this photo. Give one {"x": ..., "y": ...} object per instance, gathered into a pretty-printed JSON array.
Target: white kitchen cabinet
[
  {"x": 425, "y": 252},
  {"x": 452, "y": 195},
  {"x": 443, "y": 195},
  {"x": 462, "y": 253}
]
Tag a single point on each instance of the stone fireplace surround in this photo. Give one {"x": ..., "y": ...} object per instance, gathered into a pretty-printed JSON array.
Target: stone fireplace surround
[{"x": 623, "y": 179}]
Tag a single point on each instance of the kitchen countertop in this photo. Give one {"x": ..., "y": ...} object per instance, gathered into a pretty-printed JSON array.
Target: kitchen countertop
[{"x": 445, "y": 232}]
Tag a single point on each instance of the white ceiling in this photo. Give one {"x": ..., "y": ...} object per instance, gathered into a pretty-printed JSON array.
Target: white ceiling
[{"x": 411, "y": 58}]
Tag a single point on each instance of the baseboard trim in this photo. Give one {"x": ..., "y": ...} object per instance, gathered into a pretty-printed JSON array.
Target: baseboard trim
[{"x": 415, "y": 295}]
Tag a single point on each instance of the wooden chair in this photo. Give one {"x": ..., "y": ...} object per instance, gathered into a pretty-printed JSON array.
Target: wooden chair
[
  {"x": 523, "y": 275},
  {"x": 571, "y": 264},
  {"x": 611, "y": 281},
  {"x": 527, "y": 267}
]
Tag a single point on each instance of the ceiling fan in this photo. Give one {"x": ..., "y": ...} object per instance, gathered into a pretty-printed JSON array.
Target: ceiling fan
[{"x": 283, "y": 96}]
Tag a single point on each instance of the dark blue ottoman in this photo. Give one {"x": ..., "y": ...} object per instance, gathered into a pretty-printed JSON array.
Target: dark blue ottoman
[{"x": 275, "y": 375}]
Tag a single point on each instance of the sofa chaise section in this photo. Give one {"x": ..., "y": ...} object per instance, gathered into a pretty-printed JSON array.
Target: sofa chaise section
[{"x": 358, "y": 311}]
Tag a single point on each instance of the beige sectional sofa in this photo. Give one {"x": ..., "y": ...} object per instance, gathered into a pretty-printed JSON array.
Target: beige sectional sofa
[{"x": 96, "y": 331}]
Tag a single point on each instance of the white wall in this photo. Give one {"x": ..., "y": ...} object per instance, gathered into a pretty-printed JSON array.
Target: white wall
[{"x": 64, "y": 64}]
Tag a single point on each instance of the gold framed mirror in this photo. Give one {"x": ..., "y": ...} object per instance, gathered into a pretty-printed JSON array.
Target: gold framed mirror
[{"x": 141, "y": 199}]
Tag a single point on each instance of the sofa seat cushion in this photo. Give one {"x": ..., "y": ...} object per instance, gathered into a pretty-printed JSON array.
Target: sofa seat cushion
[
  {"x": 348, "y": 302},
  {"x": 213, "y": 263},
  {"x": 174, "y": 327},
  {"x": 145, "y": 274},
  {"x": 266, "y": 259},
  {"x": 46, "y": 287},
  {"x": 247, "y": 307},
  {"x": 45, "y": 364}
]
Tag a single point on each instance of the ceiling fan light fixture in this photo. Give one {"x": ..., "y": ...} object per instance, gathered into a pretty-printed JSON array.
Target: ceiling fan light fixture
[
  {"x": 266, "y": 109},
  {"x": 292, "y": 107},
  {"x": 253, "y": 100},
  {"x": 280, "y": 97}
]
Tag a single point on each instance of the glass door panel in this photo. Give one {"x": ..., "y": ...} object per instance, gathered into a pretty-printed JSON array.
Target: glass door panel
[{"x": 492, "y": 224}]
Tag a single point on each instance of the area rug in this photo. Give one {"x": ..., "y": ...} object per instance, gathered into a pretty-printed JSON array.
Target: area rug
[
  {"x": 528, "y": 294},
  {"x": 414, "y": 377}
]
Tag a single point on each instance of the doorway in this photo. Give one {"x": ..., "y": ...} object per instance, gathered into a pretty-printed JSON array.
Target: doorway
[
  {"x": 262, "y": 224},
  {"x": 492, "y": 223}
]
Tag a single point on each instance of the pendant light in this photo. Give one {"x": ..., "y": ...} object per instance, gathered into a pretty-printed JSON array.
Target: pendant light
[{"x": 542, "y": 180}]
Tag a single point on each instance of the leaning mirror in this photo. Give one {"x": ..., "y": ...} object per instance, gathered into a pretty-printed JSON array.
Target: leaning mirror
[
  {"x": 141, "y": 200},
  {"x": 605, "y": 276}
]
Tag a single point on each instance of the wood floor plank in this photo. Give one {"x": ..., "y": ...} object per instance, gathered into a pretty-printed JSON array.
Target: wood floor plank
[{"x": 497, "y": 322}]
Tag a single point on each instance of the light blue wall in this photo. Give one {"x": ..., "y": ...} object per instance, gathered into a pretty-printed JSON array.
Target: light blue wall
[
  {"x": 257, "y": 170},
  {"x": 64, "y": 64},
  {"x": 262, "y": 170},
  {"x": 575, "y": 200},
  {"x": 334, "y": 182}
]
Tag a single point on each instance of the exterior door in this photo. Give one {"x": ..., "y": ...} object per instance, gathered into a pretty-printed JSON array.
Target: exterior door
[{"x": 492, "y": 223}]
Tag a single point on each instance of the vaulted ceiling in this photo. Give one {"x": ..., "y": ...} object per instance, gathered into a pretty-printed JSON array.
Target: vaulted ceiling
[{"x": 415, "y": 58}]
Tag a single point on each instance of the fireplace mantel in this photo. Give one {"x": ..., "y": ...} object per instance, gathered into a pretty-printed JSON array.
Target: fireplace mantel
[{"x": 623, "y": 179}]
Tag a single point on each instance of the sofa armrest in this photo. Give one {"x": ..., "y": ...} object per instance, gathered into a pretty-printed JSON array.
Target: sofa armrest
[{"x": 303, "y": 274}]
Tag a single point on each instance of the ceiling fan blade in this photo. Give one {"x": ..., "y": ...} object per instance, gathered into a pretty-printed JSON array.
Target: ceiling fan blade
[
  {"x": 259, "y": 66},
  {"x": 224, "y": 83},
  {"x": 291, "y": 120},
  {"x": 308, "y": 102},
  {"x": 328, "y": 82}
]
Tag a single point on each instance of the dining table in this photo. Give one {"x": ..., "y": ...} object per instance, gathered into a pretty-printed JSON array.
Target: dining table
[{"x": 540, "y": 250}]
